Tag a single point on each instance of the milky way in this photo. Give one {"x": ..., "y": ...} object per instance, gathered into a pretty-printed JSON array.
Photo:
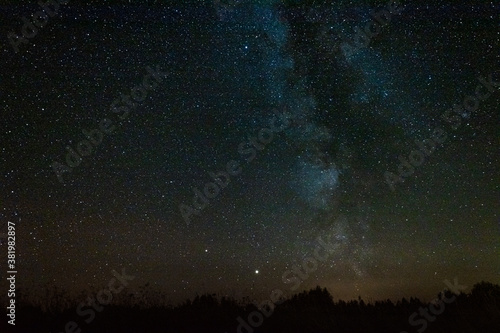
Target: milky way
[{"x": 231, "y": 67}]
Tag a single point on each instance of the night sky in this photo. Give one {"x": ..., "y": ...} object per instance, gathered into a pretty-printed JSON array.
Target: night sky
[{"x": 218, "y": 74}]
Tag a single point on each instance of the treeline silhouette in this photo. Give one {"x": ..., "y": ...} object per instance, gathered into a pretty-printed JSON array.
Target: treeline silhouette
[{"x": 313, "y": 311}]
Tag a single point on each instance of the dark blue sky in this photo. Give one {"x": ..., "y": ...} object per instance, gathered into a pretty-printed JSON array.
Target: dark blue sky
[{"x": 228, "y": 71}]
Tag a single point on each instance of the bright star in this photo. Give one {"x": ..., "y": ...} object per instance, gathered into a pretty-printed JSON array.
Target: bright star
[{"x": 256, "y": 271}]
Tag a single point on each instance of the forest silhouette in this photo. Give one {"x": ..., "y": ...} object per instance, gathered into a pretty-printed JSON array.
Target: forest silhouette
[{"x": 309, "y": 311}]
